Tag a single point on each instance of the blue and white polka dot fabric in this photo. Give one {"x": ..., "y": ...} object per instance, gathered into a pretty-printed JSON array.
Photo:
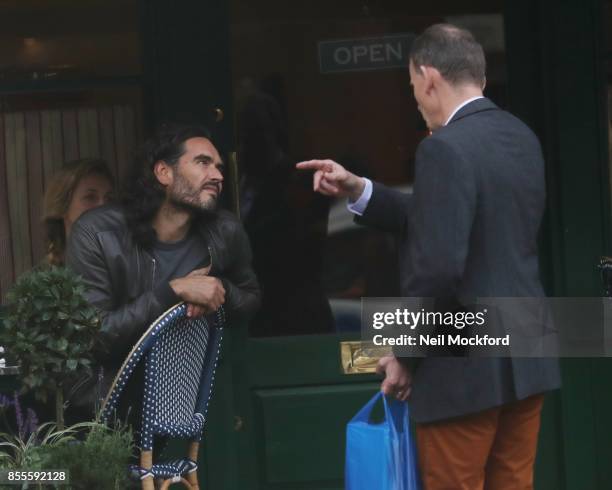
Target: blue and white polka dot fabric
[{"x": 180, "y": 356}]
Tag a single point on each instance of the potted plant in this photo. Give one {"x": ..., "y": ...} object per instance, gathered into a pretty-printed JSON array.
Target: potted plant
[{"x": 50, "y": 329}]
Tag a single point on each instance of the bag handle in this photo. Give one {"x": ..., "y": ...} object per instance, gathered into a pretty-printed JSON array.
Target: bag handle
[
  {"x": 395, "y": 411},
  {"x": 364, "y": 414}
]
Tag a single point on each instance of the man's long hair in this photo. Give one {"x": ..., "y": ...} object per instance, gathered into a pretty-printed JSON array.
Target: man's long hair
[{"x": 143, "y": 195}]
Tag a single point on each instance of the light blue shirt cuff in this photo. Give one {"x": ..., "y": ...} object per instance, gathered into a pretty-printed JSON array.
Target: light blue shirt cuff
[{"x": 360, "y": 205}]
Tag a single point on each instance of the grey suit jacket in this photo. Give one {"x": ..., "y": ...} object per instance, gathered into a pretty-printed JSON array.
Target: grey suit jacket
[{"x": 470, "y": 230}]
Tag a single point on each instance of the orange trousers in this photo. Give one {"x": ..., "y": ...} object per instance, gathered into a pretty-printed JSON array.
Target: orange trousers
[{"x": 491, "y": 450}]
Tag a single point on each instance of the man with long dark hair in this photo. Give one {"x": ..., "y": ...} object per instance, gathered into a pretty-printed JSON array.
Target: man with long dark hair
[
  {"x": 468, "y": 230},
  {"x": 167, "y": 242}
]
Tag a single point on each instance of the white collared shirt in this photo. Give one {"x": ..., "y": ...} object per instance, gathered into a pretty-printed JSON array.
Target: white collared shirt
[
  {"x": 461, "y": 106},
  {"x": 360, "y": 205}
]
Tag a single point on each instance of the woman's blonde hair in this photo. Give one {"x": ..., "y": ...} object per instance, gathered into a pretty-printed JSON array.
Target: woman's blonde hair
[{"x": 57, "y": 201}]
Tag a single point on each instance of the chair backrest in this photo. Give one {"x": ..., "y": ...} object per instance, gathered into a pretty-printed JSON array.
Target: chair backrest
[
  {"x": 181, "y": 357},
  {"x": 179, "y": 371}
]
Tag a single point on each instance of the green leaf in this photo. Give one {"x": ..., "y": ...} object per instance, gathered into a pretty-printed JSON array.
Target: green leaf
[
  {"x": 62, "y": 344},
  {"x": 49, "y": 326}
]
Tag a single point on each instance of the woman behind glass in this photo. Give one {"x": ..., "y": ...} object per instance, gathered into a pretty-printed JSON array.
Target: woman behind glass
[{"x": 80, "y": 185}]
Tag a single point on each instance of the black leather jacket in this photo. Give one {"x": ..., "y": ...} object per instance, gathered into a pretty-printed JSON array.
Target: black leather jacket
[{"x": 120, "y": 277}]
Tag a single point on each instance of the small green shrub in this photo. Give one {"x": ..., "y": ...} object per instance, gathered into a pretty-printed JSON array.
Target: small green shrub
[
  {"x": 95, "y": 455},
  {"x": 18, "y": 453},
  {"x": 50, "y": 328},
  {"x": 99, "y": 461}
]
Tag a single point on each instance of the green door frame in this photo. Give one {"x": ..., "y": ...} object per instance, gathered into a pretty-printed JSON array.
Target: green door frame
[{"x": 557, "y": 84}]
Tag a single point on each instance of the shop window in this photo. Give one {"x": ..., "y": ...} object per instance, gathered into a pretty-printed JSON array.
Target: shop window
[
  {"x": 69, "y": 88},
  {"x": 330, "y": 79}
]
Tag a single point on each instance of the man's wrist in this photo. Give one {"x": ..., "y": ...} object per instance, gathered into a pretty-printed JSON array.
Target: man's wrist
[
  {"x": 357, "y": 188},
  {"x": 175, "y": 285}
]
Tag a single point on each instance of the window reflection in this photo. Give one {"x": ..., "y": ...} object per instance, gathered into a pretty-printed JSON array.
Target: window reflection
[
  {"x": 286, "y": 223},
  {"x": 314, "y": 263}
]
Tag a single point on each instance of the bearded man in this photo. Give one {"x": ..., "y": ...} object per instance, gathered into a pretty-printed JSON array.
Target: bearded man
[{"x": 166, "y": 242}]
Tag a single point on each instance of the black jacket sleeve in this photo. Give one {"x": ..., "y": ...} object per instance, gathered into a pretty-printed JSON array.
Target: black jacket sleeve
[{"x": 387, "y": 210}]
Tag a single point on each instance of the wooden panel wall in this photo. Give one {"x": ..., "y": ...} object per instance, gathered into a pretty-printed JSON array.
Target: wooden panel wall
[{"x": 33, "y": 145}]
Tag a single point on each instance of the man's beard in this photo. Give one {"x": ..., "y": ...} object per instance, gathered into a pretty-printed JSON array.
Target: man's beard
[{"x": 185, "y": 196}]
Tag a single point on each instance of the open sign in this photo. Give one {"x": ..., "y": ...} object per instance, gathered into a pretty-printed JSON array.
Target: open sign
[{"x": 375, "y": 53}]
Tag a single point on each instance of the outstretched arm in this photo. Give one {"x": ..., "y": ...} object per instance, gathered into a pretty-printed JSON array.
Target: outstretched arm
[
  {"x": 332, "y": 179},
  {"x": 385, "y": 210}
]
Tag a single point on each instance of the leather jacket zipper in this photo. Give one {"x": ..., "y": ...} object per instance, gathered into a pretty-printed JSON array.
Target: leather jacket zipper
[
  {"x": 210, "y": 250},
  {"x": 153, "y": 273},
  {"x": 211, "y": 259}
]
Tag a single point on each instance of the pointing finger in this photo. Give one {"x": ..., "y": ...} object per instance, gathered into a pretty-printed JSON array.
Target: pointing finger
[
  {"x": 313, "y": 165},
  {"x": 324, "y": 165}
]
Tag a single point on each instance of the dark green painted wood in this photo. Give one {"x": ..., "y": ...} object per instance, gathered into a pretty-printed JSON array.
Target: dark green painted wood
[
  {"x": 557, "y": 85},
  {"x": 186, "y": 68},
  {"x": 549, "y": 462},
  {"x": 219, "y": 455},
  {"x": 302, "y": 430},
  {"x": 526, "y": 42},
  {"x": 293, "y": 402},
  {"x": 577, "y": 93},
  {"x": 278, "y": 415},
  {"x": 317, "y": 358}
]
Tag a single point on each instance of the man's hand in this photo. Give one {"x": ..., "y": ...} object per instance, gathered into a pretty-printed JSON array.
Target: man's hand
[
  {"x": 202, "y": 293},
  {"x": 332, "y": 179},
  {"x": 398, "y": 378},
  {"x": 200, "y": 272}
]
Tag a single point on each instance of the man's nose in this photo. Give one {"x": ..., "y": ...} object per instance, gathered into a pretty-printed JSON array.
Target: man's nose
[{"x": 217, "y": 175}]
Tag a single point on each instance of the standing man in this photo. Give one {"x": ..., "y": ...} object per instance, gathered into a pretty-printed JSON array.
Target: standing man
[
  {"x": 166, "y": 243},
  {"x": 469, "y": 230}
]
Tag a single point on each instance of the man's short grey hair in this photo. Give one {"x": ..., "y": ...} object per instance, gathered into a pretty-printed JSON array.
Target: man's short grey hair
[{"x": 453, "y": 52}]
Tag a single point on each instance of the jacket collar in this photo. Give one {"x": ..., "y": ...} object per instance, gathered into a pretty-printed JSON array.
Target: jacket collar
[{"x": 478, "y": 105}]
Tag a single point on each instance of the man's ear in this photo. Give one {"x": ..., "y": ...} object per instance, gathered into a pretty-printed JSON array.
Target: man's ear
[
  {"x": 163, "y": 172},
  {"x": 431, "y": 76}
]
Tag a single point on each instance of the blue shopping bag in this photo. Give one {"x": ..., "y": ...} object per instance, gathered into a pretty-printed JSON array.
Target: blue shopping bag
[{"x": 381, "y": 456}]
